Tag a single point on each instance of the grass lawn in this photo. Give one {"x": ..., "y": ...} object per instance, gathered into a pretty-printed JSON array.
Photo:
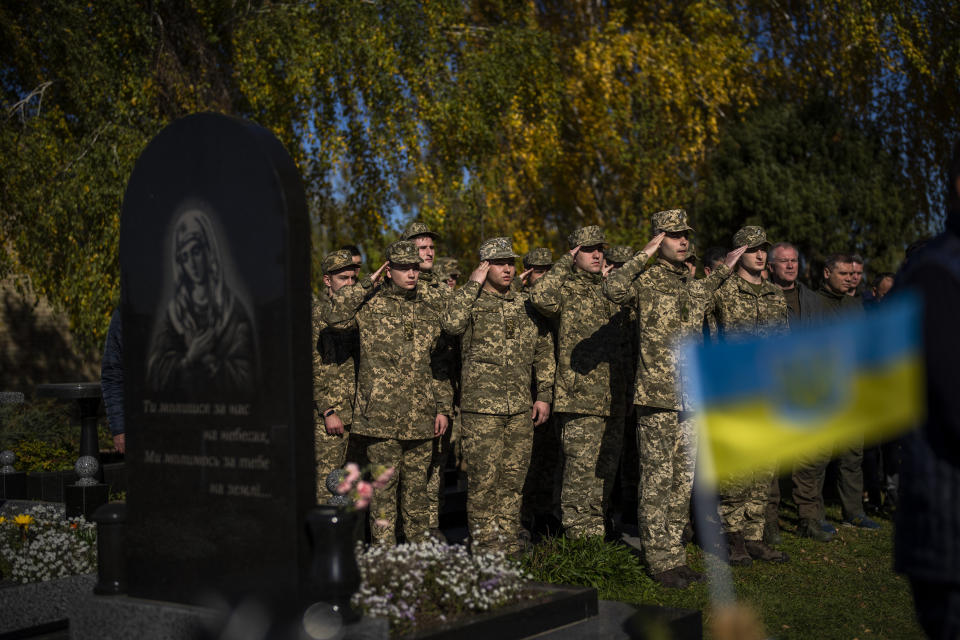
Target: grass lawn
[{"x": 843, "y": 589}]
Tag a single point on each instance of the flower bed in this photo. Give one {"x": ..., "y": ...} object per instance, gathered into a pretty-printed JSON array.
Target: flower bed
[
  {"x": 39, "y": 545},
  {"x": 418, "y": 585}
]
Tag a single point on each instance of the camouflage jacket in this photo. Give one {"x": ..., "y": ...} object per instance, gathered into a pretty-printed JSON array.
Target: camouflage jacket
[
  {"x": 504, "y": 340},
  {"x": 334, "y": 365},
  {"x": 403, "y": 380},
  {"x": 742, "y": 312},
  {"x": 592, "y": 366},
  {"x": 670, "y": 307}
]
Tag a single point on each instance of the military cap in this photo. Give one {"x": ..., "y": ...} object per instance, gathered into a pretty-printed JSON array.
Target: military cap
[
  {"x": 418, "y": 229},
  {"x": 443, "y": 268},
  {"x": 671, "y": 220},
  {"x": 403, "y": 252},
  {"x": 539, "y": 257},
  {"x": 587, "y": 237},
  {"x": 750, "y": 236},
  {"x": 691, "y": 252},
  {"x": 497, "y": 248},
  {"x": 337, "y": 260},
  {"x": 618, "y": 253}
]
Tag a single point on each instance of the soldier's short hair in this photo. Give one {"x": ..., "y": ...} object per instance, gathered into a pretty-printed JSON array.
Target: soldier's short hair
[
  {"x": 714, "y": 256},
  {"x": 837, "y": 258},
  {"x": 353, "y": 249}
]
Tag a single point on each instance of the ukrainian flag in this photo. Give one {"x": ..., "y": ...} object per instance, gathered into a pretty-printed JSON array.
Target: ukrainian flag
[{"x": 773, "y": 400}]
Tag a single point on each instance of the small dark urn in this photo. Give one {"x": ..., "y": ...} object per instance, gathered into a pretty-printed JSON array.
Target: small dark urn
[{"x": 334, "y": 575}]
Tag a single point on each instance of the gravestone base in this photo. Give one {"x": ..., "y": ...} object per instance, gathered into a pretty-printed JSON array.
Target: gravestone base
[
  {"x": 128, "y": 617},
  {"x": 83, "y": 501},
  {"x": 40, "y": 605},
  {"x": 13, "y": 486}
]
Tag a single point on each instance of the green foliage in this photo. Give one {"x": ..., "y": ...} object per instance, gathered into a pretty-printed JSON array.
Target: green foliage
[
  {"x": 39, "y": 455},
  {"x": 809, "y": 175},
  {"x": 610, "y": 568},
  {"x": 41, "y": 434}
]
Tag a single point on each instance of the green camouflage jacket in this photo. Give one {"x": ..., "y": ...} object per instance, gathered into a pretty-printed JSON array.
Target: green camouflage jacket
[
  {"x": 741, "y": 312},
  {"x": 404, "y": 373},
  {"x": 592, "y": 366},
  {"x": 670, "y": 307},
  {"x": 334, "y": 365},
  {"x": 504, "y": 340}
]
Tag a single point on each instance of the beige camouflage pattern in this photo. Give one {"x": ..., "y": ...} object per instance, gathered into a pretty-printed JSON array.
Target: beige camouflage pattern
[
  {"x": 591, "y": 453},
  {"x": 538, "y": 257},
  {"x": 671, "y": 220},
  {"x": 618, "y": 253},
  {"x": 750, "y": 236},
  {"x": 587, "y": 237},
  {"x": 444, "y": 268},
  {"x": 592, "y": 368},
  {"x": 741, "y": 312},
  {"x": 330, "y": 450},
  {"x": 497, "y": 249},
  {"x": 503, "y": 342},
  {"x": 403, "y": 252},
  {"x": 418, "y": 229},
  {"x": 496, "y": 455},
  {"x": 336, "y": 261},
  {"x": 404, "y": 373},
  {"x": 667, "y": 444},
  {"x": 670, "y": 308},
  {"x": 405, "y": 494}
]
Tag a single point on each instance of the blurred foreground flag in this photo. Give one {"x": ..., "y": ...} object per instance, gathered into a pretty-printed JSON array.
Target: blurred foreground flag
[{"x": 768, "y": 401}]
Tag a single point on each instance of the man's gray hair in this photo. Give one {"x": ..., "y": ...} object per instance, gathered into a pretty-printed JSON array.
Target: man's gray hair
[{"x": 782, "y": 245}]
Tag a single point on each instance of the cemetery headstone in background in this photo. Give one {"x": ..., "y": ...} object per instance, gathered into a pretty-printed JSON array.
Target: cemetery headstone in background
[{"x": 214, "y": 254}]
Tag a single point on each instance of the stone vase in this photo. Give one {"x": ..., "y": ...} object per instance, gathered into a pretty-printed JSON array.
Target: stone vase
[{"x": 334, "y": 574}]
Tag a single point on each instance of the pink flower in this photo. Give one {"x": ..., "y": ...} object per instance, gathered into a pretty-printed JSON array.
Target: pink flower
[
  {"x": 380, "y": 522},
  {"x": 364, "y": 490},
  {"x": 361, "y": 503},
  {"x": 353, "y": 472},
  {"x": 344, "y": 487},
  {"x": 383, "y": 478}
]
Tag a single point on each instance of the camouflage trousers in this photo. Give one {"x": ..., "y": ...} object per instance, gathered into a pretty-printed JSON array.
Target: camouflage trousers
[
  {"x": 496, "y": 455},
  {"x": 406, "y": 493},
  {"x": 541, "y": 488},
  {"x": 591, "y": 452},
  {"x": 667, "y": 444},
  {"x": 630, "y": 463},
  {"x": 331, "y": 453},
  {"x": 743, "y": 504}
]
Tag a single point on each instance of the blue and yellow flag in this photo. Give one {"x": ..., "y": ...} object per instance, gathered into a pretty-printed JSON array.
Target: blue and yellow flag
[{"x": 769, "y": 401}]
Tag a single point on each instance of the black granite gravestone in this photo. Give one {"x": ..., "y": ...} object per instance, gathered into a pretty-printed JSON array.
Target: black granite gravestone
[{"x": 214, "y": 254}]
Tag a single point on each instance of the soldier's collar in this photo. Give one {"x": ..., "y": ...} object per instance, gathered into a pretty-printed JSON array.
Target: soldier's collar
[
  {"x": 587, "y": 276},
  {"x": 392, "y": 290},
  {"x": 505, "y": 296},
  {"x": 680, "y": 270}
]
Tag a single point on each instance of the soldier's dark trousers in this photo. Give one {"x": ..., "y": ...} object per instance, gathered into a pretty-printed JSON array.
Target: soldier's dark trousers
[
  {"x": 406, "y": 492},
  {"x": 591, "y": 453},
  {"x": 667, "y": 444},
  {"x": 809, "y": 476},
  {"x": 541, "y": 489},
  {"x": 496, "y": 455}
]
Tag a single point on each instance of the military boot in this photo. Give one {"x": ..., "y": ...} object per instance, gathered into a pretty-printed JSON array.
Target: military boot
[
  {"x": 691, "y": 574},
  {"x": 758, "y": 550},
  {"x": 671, "y": 578},
  {"x": 771, "y": 533},
  {"x": 810, "y": 528},
  {"x": 736, "y": 552}
]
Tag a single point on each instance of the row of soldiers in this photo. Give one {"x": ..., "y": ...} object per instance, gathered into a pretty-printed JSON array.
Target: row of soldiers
[{"x": 542, "y": 378}]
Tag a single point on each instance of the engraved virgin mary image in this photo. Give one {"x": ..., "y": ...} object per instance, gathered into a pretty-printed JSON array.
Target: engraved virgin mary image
[{"x": 204, "y": 342}]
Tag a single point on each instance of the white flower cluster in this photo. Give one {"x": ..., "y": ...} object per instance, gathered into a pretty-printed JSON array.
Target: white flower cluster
[
  {"x": 49, "y": 547},
  {"x": 415, "y": 584}
]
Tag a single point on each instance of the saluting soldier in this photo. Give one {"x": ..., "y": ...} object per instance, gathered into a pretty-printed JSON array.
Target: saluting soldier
[
  {"x": 334, "y": 372},
  {"x": 536, "y": 263},
  {"x": 747, "y": 305},
  {"x": 591, "y": 379},
  {"x": 404, "y": 395},
  {"x": 504, "y": 344},
  {"x": 670, "y": 307}
]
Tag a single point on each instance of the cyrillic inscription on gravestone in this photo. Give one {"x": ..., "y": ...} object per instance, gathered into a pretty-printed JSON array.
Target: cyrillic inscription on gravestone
[{"x": 214, "y": 253}]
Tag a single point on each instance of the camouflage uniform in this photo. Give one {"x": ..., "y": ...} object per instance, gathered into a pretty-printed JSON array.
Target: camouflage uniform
[
  {"x": 334, "y": 379},
  {"x": 743, "y": 310},
  {"x": 503, "y": 341},
  {"x": 541, "y": 489},
  {"x": 442, "y": 447},
  {"x": 403, "y": 384},
  {"x": 445, "y": 268},
  {"x": 670, "y": 307},
  {"x": 590, "y": 386},
  {"x": 618, "y": 254}
]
